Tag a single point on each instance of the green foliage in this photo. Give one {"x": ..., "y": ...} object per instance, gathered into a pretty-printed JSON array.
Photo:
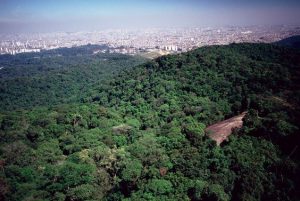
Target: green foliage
[
  {"x": 57, "y": 76},
  {"x": 132, "y": 170},
  {"x": 49, "y": 151},
  {"x": 82, "y": 192},
  {"x": 159, "y": 187},
  {"x": 193, "y": 130},
  {"x": 140, "y": 134}
]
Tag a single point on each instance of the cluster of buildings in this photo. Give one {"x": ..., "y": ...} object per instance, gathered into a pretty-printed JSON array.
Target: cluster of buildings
[{"x": 132, "y": 42}]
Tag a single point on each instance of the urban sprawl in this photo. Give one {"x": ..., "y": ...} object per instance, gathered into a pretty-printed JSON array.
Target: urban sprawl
[{"x": 160, "y": 41}]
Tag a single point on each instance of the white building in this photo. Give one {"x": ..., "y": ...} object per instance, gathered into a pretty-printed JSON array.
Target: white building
[{"x": 170, "y": 48}]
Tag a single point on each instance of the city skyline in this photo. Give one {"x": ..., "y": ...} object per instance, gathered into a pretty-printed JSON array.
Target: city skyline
[
  {"x": 27, "y": 16},
  {"x": 153, "y": 41}
]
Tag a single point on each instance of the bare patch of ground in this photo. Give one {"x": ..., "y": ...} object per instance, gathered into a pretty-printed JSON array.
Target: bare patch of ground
[
  {"x": 221, "y": 130},
  {"x": 153, "y": 54}
]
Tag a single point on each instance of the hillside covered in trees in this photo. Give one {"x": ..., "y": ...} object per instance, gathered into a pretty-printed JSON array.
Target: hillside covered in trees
[
  {"x": 140, "y": 135},
  {"x": 292, "y": 42},
  {"x": 57, "y": 76}
]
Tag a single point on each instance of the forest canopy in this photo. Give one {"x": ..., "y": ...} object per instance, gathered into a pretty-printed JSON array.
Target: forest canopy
[{"x": 140, "y": 134}]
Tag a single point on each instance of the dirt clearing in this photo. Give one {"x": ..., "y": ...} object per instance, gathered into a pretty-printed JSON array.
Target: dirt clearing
[{"x": 221, "y": 130}]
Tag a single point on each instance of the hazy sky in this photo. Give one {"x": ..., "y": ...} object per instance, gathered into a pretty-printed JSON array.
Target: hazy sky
[{"x": 18, "y": 16}]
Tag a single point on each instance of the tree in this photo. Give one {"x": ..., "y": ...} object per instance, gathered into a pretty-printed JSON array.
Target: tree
[
  {"x": 159, "y": 187},
  {"x": 194, "y": 130},
  {"x": 132, "y": 170}
]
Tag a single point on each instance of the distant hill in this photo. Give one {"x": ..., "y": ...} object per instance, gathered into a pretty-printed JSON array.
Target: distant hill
[
  {"x": 293, "y": 42},
  {"x": 57, "y": 76}
]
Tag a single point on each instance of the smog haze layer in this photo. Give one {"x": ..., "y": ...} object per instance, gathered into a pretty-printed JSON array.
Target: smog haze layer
[{"x": 26, "y": 16}]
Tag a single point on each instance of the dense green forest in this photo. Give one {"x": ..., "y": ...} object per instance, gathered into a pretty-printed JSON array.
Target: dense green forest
[
  {"x": 57, "y": 76},
  {"x": 140, "y": 135}
]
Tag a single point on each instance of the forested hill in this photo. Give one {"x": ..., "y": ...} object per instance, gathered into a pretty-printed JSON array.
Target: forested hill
[
  {"x": 292, "y": 42},
  {"x": 57, "y": 76},
  {"x": 141, "y": 135},
  {"x": 220, "y": 81}
]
